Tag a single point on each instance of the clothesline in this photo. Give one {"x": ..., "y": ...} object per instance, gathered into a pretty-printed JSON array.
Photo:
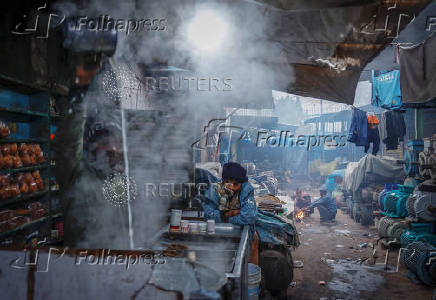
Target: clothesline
[{"x": 366, "y": 128}]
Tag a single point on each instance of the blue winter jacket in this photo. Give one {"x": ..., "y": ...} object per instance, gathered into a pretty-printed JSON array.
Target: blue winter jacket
[
  {"x": 358, "y": 133},
  {"x": 271, "y": 228},
  {"x": 248, "y": 210},
  {"x": 327, "y": 202}
]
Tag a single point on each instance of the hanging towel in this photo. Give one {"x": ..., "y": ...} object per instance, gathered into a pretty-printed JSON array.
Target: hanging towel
[
  {"x": 386, "y": 91},
  {"x": 359, "y": 128}
]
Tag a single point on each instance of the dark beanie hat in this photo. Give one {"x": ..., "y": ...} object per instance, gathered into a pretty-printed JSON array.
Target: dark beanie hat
[{"x": 232, "y": 170}]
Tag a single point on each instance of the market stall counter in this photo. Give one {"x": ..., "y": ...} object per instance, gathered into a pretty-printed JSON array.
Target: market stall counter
[
  {"x": 218, "y": 260},
  {"x": 197, "y": 266}
]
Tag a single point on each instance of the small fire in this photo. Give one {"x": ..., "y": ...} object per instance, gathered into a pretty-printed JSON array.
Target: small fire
[{"x": 300, "y": 215}]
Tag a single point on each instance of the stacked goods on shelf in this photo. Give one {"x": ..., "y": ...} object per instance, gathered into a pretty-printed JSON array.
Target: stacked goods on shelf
[
  {"x": 4, "y": 130},
  {"x": 12, "y": 219},
  {"x": 13, "y": 156},
  {"x": 25, "y": 208},
  {"x": 15, "y": 185}
]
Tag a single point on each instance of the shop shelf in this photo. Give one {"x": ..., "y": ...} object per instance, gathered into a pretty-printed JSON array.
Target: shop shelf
[
  {"x": 23, "y": 169},
  {"x": 24, "y": 226},
  {"x": 21, "y": 199},
  {"x": 30, "y": 140},
  {"x": 27, "y": 107},
  {"x": 12, "y": 110},
  {"x": 58, "y": 215}
]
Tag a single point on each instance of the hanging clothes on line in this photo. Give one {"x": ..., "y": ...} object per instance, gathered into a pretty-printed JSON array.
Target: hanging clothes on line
[
  {"x": 358, "y": 132},
  {"x": 373, "y": 134},
  {"x": 382, "y": 127},
  {"x": 386, "y": 89},
  {"x": 395, "y": 129}
]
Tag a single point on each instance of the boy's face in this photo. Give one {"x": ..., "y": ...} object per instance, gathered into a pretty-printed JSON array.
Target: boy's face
[{"x": 232, "y": 185}]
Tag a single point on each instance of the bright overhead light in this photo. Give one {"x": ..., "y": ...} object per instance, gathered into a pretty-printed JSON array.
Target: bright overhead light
[{"x": 207, "y": 31}]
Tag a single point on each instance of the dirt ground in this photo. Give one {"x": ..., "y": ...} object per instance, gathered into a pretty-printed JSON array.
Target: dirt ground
[{"x": 332, "y": 254}]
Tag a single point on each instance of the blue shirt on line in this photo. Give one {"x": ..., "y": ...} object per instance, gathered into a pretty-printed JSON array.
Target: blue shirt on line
[{"x": 386, "y": 89}]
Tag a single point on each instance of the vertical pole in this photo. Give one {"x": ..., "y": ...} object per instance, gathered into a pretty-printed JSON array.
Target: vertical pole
[
  {"x": 126, "y": 167},
  {"x": 419, "y": 131},
  {"x": 127, "y": 174}
]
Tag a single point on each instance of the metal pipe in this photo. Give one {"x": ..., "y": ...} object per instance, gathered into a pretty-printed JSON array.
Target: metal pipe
[
  {"x": 126, "y": 168},
  {"x": 419, "y": 132},
  {"x": 243, "y": 244}
]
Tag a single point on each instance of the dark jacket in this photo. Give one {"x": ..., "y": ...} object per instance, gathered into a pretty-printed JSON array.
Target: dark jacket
[
  {"x": 358, "y": 133},
  {"x": 271, "y": 229},
  {"x": 327, "y": 202},
  {"x": 395, "y": 129},
  {"x": 248, "y": 211}
]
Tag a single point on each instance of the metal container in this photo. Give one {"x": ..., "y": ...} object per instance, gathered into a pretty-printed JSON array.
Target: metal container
[
  {"x": 210, "y": 226},
  {"x": 184, "y": 226},
  {"x": 176, "y": 217},
  {"x": 203, "y": 227},
  {"x": 193, "y": 228}
]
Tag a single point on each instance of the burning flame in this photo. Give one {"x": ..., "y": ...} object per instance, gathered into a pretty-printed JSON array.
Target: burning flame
[{"x": 300, "y": 215}]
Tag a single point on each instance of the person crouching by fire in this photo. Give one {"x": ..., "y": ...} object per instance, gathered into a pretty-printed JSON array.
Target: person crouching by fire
[{"x": 326, "y": 206}]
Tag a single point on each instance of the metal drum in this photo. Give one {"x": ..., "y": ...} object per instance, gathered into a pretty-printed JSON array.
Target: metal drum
[
  {"x": 425, "y": 206},
  {"x": 384, "y": 224},
  {"x": 396, "y": 229}
]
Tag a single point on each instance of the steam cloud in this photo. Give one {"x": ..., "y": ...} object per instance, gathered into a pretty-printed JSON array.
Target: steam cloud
[{"x": 160, "y": 133}]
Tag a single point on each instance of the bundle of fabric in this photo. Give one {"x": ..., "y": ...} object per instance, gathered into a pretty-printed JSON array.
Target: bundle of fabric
[
  {"x": 271, "y": 207},
  {"x": 268, "y": 173},
  {"x": 259, "y": 178},
  {"x": 276, "y": 230},
  {"x": 373, "y": 169},
  {"x": 269, "y": 203},
  {"x": 268, "y": 198},
  {"x": 349, "y": 175},
  {"x": 270, "y": 185}
]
